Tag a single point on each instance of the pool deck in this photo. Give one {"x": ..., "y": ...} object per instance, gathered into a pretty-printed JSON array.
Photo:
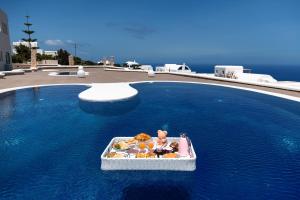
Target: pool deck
[{"x": 99, "y": 75}]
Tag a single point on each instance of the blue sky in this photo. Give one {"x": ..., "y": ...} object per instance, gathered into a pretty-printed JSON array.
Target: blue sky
[{"x": 161, "y": 31}]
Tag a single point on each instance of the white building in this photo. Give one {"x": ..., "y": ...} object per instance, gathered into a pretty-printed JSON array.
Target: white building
[
  {"x": 174, "y": 68},
  {"x": 237, "y": 72},
  {"x": 5, "y": 48},
  {"x": 33, "y": 45},
  {"x": 228, "y": 70},
  {"x": 50, "y": 53},
  {"x": 146, "y": 67},
  {"x": 40, "y": 51},
  {"x": 107, "y": 61},
  {"x": 132, "y": 63}
]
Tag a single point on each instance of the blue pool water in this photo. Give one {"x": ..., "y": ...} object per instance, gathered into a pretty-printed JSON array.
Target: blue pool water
[{"x": 248, "y": 144}]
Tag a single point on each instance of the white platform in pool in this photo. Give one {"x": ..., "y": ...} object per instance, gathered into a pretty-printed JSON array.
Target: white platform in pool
[{"x": 105, "y": 92}]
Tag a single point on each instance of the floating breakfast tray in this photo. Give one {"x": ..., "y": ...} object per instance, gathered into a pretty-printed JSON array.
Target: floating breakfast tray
[{"x": 128, "y": 163}]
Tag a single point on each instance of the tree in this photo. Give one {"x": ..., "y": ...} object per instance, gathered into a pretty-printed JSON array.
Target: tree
[
  {"x": 117, "y": 65},
  {"x": 28, "y": 32},
  {"x": 78, "y": 61},
  {"x": 23, "y": 54},
  {"x": 41, "y": 57},
  {"x": 63, "y": 57},
  {"x": 88, "y": 62}
]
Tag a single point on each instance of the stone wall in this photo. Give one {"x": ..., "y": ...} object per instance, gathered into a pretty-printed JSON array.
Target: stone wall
[
  {"x": 71, "y": 60},
  {"x": 48, "y": 62},
  {"x": 33, "y": 59}
]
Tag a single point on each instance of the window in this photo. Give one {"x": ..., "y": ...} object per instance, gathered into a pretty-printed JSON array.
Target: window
[
  {"x": 1, "y": 56},
  {"x": 186, "y": 68},
  {"x": 180, "y": 68},
  {"x": 7, "y": 58}
]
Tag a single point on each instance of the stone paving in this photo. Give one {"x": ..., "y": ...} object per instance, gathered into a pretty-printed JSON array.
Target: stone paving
[{"x": 99, "y": 75}]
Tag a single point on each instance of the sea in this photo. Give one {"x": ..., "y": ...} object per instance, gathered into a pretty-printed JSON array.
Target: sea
[{"x": 279, "y": 72}]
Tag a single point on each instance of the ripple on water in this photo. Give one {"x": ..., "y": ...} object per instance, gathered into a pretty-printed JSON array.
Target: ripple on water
[{"x": 247, "y": 144}]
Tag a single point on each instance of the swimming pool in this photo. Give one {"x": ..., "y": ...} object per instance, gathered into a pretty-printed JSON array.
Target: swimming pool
[{"x": 247, "y": 144}]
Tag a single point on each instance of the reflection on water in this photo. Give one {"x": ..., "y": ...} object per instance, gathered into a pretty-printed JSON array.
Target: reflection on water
[
  {"x": 36, "y": 93},
  {"x": 139, "y": 184},
  {"x": 157, "y": 191},
  {"x": 8, "y": 100},
  {"x": 110, "y": 108}
]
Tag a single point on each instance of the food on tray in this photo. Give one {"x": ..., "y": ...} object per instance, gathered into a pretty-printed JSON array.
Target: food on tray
[
  {"x": 142, "y": 145},
  {"x": 121, "y": 145},
  {"x": 142, "y": 152},
  {"x": 110, "y": 154},
  {"x": 120, "y": 155},
  {"x": 146, "y": 155},
  {"x": 142, "y": 137},
  {"x": 170, "y": 155},
  {"x": 141, "y": 155},
  {"x": 116, "y": 155},
  {"x": 151, "y": 155},
  {"x": 131, "y": 141},
  {"x": 150, "y": 145},
  {"x": 160, "y": 152},
  {"x": 132, "y": 151},
  {"x": 174, "y": 146}
]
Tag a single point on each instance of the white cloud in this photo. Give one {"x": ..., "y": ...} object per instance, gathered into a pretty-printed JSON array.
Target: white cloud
[
  {"x": 54, "y": 42},
  {"x": 70, "y": 41}
]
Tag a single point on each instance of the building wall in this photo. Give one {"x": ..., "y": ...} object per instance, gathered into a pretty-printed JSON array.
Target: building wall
[
  {"x": 5, "y": 48},
  {"x": 15, "y": 44},
  {"x": 50, "y": 53}
]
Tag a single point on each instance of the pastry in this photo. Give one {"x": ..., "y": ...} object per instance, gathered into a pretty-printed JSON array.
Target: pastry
[
  {"x": 141, "y": 155},
  {"x": 120, "y": 155},
  {"x": 122, "y": 145},
  {"x": 110, "y": 154},
  {"x": 116, "y": 155},
  {"x": 131, "y": 141},
  {"x": 151, "y": 155},
  {"x": 170, "y": 155},
  {"x": 142, "y": 137}
]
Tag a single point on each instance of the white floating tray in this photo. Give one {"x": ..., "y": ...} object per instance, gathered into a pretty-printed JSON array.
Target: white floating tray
[{"x": 173, "y": 164}]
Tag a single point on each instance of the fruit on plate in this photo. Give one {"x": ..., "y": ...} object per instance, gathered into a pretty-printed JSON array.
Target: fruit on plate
[
  {"x": 142, "y": 137},
  {"x": 170, "y": 155}
]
